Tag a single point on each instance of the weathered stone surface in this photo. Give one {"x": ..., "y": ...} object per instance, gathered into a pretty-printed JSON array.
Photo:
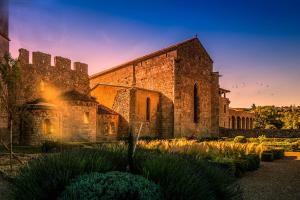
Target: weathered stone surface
[
  {"x": 4, "y": 40},
  {"x": 172, "y": 72}
]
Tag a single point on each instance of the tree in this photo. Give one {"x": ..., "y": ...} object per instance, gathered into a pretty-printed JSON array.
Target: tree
[
  {"x": 9, "y": 77},
  {"x": 268, "y": 117}
]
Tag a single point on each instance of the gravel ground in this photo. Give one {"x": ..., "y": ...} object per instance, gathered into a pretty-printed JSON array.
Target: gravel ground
[{"x": 278, "y": 180}]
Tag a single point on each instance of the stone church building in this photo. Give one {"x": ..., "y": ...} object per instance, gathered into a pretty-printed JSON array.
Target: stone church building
[
  {"x": 173, "y": 92},
  {"x": 170, "y": 93}
]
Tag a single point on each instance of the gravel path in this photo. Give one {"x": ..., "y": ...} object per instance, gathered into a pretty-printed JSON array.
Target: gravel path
[{"x": 278, "y": 180}]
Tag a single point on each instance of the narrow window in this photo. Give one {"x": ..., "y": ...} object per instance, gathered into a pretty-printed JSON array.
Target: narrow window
[
  {"x": 48, "y": 128},
  {"x": 42, "y": 86},
  {"x": 148, "y": 109},
  {"x": 86, "y": 118},
  {"x": 225, "y": 108},
  {"x": 196, "y": 104}
]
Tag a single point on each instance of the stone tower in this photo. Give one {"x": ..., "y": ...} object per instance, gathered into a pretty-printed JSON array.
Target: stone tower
[{"x": 4, "y": 40}]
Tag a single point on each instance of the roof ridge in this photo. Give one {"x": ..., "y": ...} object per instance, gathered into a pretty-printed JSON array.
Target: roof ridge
[{"x": 146, "y": 56}]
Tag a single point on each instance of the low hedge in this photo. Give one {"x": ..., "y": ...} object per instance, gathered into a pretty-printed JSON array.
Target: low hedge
[
  {"x": 50, "y": 146},
  {"x": 278, "y": 153},
  {"x": 240, "y": 139},
  {"x": 267, "y": 156},
  {"x": 111, "y": 186}
]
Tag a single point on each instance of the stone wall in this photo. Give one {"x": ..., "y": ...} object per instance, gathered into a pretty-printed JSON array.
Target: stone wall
[
  {"x": 194, "y": 67},
  {"x": 41, "y": 80},
  {"x": 122, "y": 76},
  {"x": 107, "y": 127},
  {"x": 270, "y": 133},
  {"x": 157, "y": 74},
  {"x": 4, "y": 41},
  {"x": 224, "y": 112},
  {"x": 79, "y": 121},
  {"x": 116, "y": 98},
  {"x": 150, "y": 127},
  {"x": 33, "y": 126}
]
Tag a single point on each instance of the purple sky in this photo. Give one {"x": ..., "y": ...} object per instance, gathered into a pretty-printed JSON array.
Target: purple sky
[{"x": 255, "y": 45}]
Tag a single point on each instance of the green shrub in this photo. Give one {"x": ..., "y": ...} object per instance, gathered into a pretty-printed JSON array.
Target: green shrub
[
  {"x": 240, "y": 139},
  {"x": 241, "y": 166},
  {"x": 278, "y": 153},
  {"x": 262, "y": 138},
  {"x": 112, "y": 185},
  {"x": 179, "y": 176},
  {"x": 50, "y": 146},
  {"x": 46, "y": 177},
  {"x": 253, "y": 162},
  {"x": 267, "y": 156},
  {"x": 186, "y": 177}
]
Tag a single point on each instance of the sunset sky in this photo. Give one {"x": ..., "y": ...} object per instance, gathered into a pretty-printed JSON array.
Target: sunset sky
[{"x": 255, "y": 44}]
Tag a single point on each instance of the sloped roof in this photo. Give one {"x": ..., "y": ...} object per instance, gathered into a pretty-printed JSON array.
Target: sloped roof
[
  {"x": 153, "y": 54},
  {"x": 224, "y": 90},
  {"x": 105, "y": 110},
  {"x": 40, "y": 103},
  {"x": 74, "y": 95}
]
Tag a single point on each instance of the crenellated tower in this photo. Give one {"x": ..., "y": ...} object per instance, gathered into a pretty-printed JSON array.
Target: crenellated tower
[
  {"x": 40, "y": 76},
  {"x": 4, "y": 39}
]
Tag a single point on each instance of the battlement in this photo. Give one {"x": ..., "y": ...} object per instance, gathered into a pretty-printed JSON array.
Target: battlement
[{"x": 40, "y": 59}]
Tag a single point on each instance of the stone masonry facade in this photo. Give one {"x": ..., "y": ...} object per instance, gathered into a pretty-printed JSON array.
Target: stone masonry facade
[{"x": 167, "y": 79}]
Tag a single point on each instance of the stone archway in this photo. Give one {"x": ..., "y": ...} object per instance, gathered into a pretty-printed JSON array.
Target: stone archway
[
  {"x": 238, "y": 122},
  {"x": 243, "y": 123},
  {"x": 233, "y": 126},
  {"x": 247, "y": 123},
  {"x": 251, "y": 123}
]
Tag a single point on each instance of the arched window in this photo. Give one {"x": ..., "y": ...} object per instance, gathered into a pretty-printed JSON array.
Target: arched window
[
  {"x": 42, "y": 86},
  {"x": 233, "y": 126},
  {"x": 48, "y": 127},
  {"x": 238, "y": 122},
  {"x": 243, "y": 123},
  {"x": 196, "y": 104},
  {"x": 251, "y": 123},
  {"x": 148, "y": 109},
  {"x": 247, "y": 123},
  {"x": 86, "y": 117}
]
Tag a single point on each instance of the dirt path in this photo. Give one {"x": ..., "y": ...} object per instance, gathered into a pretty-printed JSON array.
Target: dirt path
[{"x": 278, "y": 180}]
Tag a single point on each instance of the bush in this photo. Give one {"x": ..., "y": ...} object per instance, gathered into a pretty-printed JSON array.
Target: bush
[
  {"x": 278, "y": 153},
  {"x": 240, "y": 139},
  {"x": 46, "y": 177},
  {"x": 180, "y": 176},
  {"x": 267, "y": 156},
  {"x": 262, "y": 138},
  {"x": 50, "y": 146},
  {"x": 253, "y": 162},
  {"x": 186, "y": 177},
  {"x": 112, "y": 185}
]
